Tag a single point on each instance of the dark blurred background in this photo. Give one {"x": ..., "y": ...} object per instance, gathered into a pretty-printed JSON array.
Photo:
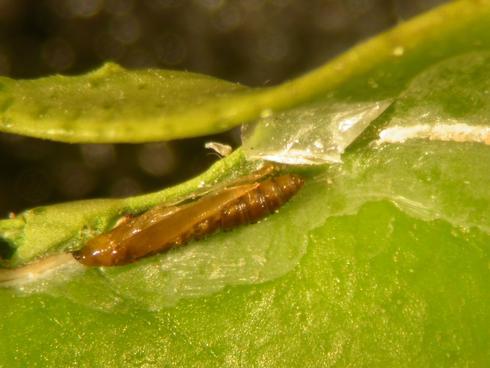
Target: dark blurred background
[{"x": 255, "y": 42}]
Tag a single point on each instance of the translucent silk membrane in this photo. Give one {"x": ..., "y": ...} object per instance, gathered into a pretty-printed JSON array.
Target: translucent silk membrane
[{"x": 314, "y": 134}]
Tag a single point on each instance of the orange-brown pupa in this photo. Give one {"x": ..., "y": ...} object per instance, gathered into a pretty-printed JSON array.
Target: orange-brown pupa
[{"x": 165, "y": 227}]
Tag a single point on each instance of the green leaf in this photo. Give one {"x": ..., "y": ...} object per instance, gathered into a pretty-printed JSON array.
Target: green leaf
[
  {"x": 112, "y": 104},
  {"x": 382, "y": 260},
  {"x": 115, "y": 105}
]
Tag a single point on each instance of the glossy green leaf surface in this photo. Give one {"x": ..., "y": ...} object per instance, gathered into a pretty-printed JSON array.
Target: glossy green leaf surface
[{"x": 381, "y": 260}]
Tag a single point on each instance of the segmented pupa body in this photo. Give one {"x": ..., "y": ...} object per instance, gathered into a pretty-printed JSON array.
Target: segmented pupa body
[{"x": 165, "y": 227}]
